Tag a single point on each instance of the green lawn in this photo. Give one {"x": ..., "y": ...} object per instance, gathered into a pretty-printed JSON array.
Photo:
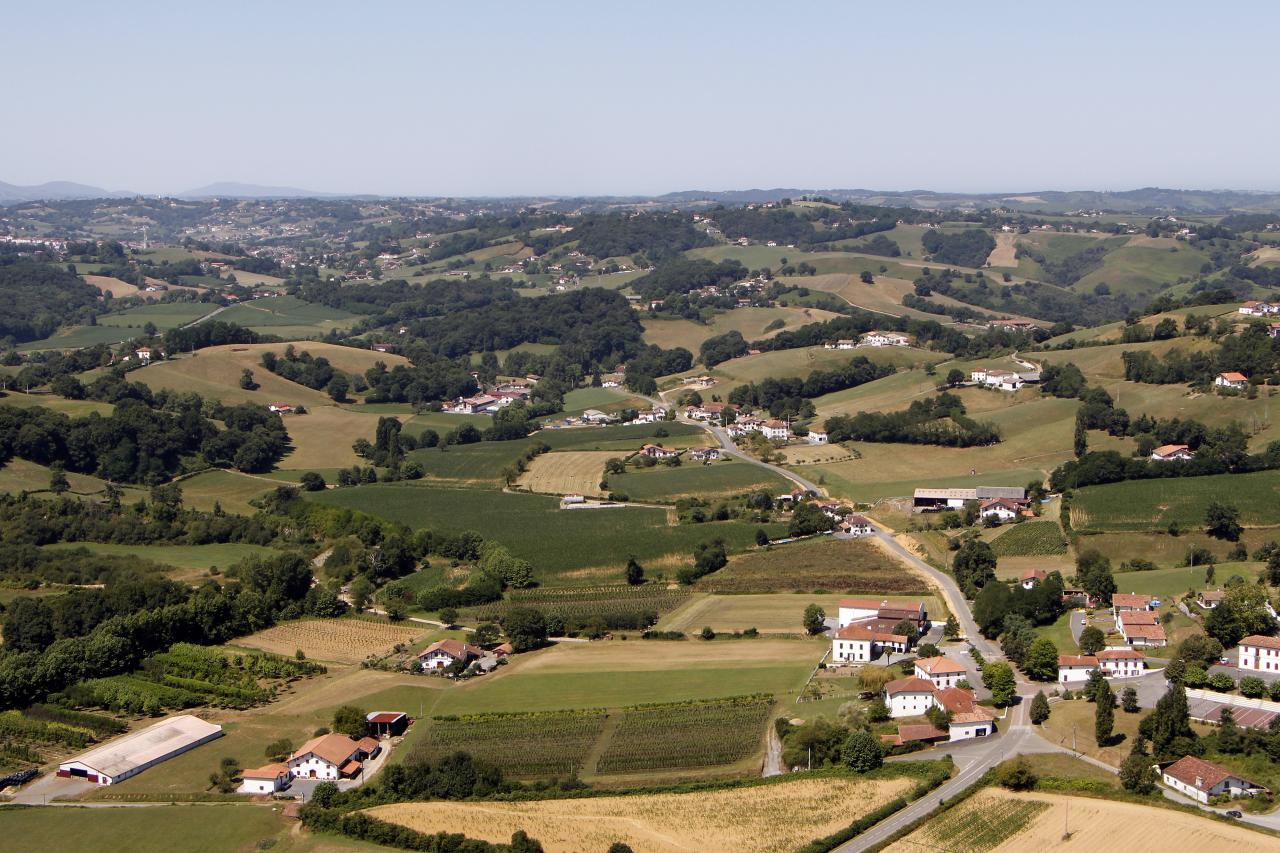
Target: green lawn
[
  {"x": 556, "y": 541},
  {"x": 228, "y": 489},
  {"x": 163, "y": 316},
  {"x": 611, "y": 689},
  {"x": 1138, "y": 505},
  {"x": 287, "y": 316},
  {"x": 1164, "y": 584},
  {"x": 719, "y": 479},
  {"x": 181, "y": 556},
  {"x": 191, "y": 828}
]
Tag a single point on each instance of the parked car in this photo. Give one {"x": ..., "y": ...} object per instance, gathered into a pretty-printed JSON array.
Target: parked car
[
  {"x": 1234, "y": 813},
  {"x": 1224, "y": 661}
]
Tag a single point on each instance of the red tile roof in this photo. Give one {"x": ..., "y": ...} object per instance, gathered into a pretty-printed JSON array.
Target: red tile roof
[
  {"x": 908, "y": 685},
  {"x": 1170, "y": 449},
  {"x": 1139, "y": 617},
  {"x": 1034, "y": 574},
  {"x": 333, "y": 748},
  {"x": 453, "y": 648},
  {"x": 1077, "y": 660},
  {"x": 924, "y": 731},
  {"x": 939, "y": 665},
  {"x": 1259, "y": 641},
  {"x": 1146, "y": 632},
  {"x": 269, "y": 771},
  {"x": 1233, "y": 376},
  {"x": 979, "y": 715},
  {"x": 1130, "y": 599},
  {"x": 1189, "y": 769},
  {"x": 383, "y": 716},
  {"x": 1121, "y": 654},
  {"x": 958, "y": 701}
]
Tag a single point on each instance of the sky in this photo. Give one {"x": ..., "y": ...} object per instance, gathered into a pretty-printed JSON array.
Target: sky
[{"x": 602, "y": 98}]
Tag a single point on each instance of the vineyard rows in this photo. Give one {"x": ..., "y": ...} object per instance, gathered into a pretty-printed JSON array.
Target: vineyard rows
[
  {"x": 581, "y": 604},
  {"x": 524, "y": 745},
  {"x": 1030, "y": 539},
  {"x": 697, "y": 735},
  {"x": 979, "y": 825}
]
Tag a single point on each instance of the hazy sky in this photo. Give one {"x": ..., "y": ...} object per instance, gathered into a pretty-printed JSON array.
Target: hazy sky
[{"x": 495, "y": 98}]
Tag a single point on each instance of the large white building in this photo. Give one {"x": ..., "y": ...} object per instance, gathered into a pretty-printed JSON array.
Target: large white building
[
  {"x": 1260, "y": 653},
  {"x": 859, "y": 644},
  {"x": 129, "y": 755},
  {"x": 911, "y": 697},
  {"x": 331, "y": 756},
  {"x": 264, "y": 780}
]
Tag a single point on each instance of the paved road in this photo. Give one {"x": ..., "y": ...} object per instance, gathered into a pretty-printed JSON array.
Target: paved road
[
  {"x": 208, "y": 316},
  {"x": 955, "y": 598},
  {"x": 727, "y": 446},
  {"x": 1077, "y": 625}
]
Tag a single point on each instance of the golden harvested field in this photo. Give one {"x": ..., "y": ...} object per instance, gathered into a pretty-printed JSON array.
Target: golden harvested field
[
  {"x": 778, "y": 817},
  {"x": 751, "y": 322},
  {"x": 1003, "y": 254},
  {"x": 322, "y": 438},
  {"x": 114, "y": 286},
  {"x": 215, "y": 372},
  {"x": 1265, "y": 255},
  {"x": 338, "y": 640},
  {"x": 1094, "y": 825},
  {"x": 576, "y": 472}
]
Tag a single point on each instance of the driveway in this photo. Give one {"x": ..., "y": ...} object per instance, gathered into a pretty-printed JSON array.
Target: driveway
[{"x": 48, "y": 788}]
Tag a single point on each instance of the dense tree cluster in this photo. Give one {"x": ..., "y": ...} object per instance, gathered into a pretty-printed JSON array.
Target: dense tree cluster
[
  {"x": 1253, "y": 352},
  {"x": 968, "y": 248},
  {"x": 139, "y": 444},
  {"x": 262, "y": 592},
  {"x": 1040, "y": 605},
  {"x": 681, "y": 275},
  {"x": 656, "y": 235},
  {"x": 304, "y": 368},
  {"x": 938, "y": 420},
  {"x": 41, "y": 297},
  {"x": 787, "y": 396}
]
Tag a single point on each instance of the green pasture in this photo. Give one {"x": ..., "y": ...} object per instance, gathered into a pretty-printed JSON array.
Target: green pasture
[
  {"x": 718, "y": 479},
  {"x": 1141, "y": 505},
  {"x": 557, "y": 542}
]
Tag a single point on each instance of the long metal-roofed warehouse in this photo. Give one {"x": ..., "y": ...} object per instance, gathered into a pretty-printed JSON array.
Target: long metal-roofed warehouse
[
  {"x": 934, "y": 499},
  {"x": 131, "y": 754}
]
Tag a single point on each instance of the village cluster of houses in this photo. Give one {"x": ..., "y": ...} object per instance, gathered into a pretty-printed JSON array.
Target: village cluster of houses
[
  {"x": 1002, "y": 380},
  {"x": 871, "y": 339},
  {"x": 499, "y": 396},
  {"x": 327, "y": 757},
  {"x": 1258, "y": 308}
]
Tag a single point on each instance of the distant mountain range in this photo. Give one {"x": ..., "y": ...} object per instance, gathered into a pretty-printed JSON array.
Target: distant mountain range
[
  {"x": 54, "y": 191},
  {"x": 231, "y": 189},
  {"x": 1148, "y": 200},
  {"x": 1145, "y": 200}
]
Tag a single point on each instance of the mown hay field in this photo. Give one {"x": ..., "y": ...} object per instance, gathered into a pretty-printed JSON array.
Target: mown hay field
[
  {"x": 214, "y": 372},
  {"x": 621, "y": 674},
  {"x": 839, "y": 565},
  {"x": 109, "y": 284},
  {"x": 694, "y": 479},
  {"x": 287, "y": 316},
  {"x": 337, "y": 640},
  {"x": 1141, "y": 505},
  {"x": 753, "y": 323},
  {"x": 764, "y": 818},
  {"x": 1037, "y": 822},
  {"x": 769, "y": 613},
  {"x": 566, "y": 472}
]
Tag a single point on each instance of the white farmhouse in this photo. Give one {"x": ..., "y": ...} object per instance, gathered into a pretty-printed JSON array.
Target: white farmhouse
[{"x": 1201, "y": 780}]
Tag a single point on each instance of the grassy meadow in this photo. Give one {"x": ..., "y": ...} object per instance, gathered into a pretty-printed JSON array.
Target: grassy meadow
[
  {"x": 569, "y": 546},
  {"x": 694, "y": 479}
]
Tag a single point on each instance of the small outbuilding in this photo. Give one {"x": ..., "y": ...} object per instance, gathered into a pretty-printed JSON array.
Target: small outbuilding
[
  {"x": 387, "y": 723},
  {"x": 264, "y": 780}
]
